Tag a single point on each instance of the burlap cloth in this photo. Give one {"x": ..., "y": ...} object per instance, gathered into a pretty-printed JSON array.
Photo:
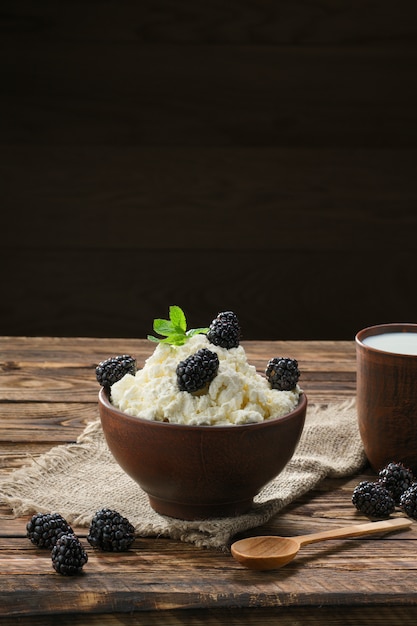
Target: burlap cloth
[{"x": 78, "y": 479}]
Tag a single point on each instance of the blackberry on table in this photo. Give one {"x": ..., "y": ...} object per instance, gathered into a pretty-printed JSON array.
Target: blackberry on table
[
  {"x": 197, "y": 370},
  {"x": 110, "y": 531},
  {"x": 396, "y": 478},
  {"x": 282, "y": 373},
  {"x": 373, "y": 500},
  {"x": 224, "y": 330},
  {"x": 408, "y": 501},
  {"x": 44, "y": 529},
  {"x": 68, "y": 555},
  {"x": 114, "y": 368}
]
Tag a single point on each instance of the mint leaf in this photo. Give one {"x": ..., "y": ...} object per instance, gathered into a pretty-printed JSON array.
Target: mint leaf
[
  {"x": 175, "y": 329},
  {"x": 176, "y": 339},
  {"x": 196, "y": 331},
  {"x": 162, "y": 327},
  {"x": 152, "y": 338},
  {"x": 177, "y": 317}
]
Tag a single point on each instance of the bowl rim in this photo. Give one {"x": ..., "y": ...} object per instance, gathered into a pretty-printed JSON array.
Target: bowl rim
[{"x": 301, "y": 407}]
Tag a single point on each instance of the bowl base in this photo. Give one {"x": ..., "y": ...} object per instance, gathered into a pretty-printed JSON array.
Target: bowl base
[{"x": 191, "y": 512}]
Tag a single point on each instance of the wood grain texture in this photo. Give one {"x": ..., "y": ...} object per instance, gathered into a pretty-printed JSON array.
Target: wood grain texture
[
  {"x": 276, "y": 294},
  {"x": 251, "y": 200},
  {"x": 257, "y": 96},
  {"x": 288, "y": 616},
  {"x": 240, "y": 21},
  {"x": 211, "y": 156},
  {"x": 48, "y": 393}
]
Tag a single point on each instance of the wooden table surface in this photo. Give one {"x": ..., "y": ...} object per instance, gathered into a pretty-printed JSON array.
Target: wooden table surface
[{"x": 48, "y": 393}]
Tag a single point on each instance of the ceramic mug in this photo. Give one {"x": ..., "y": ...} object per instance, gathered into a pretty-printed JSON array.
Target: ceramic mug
[{"x": 386, "y": 393}]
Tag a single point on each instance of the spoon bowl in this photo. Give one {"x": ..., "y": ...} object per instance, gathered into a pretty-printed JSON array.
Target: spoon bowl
[{"x": 272, "y": 552}]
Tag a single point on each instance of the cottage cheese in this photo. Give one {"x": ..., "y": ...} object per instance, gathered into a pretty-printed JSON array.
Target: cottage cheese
[{"x": 237, "y": 395}]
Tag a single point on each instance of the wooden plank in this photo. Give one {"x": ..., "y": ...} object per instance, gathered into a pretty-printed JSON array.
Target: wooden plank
[
  {"x": 217, "y": 96},
  {"x": 256, "y": 201},
  {"x": 63, "y": 355},
  {"x": 301, "y": 302},
  {"x": 123, "y": 596},
  {"x": 328, "y": 505},
  {"x": 285, "y": 128},
  {"x": 161, "y": 577},
  {"x": 17, "y": 352},
  {"x": 287, "y": 616},
  {"x": 54, "y": 382},
  {"x": 241, "y": 21},
  {"x": 317, "y": 392},
  {"x": 13, "y": 457},
  {"x": 45, "y": 421},
  {"x": 79, "y": 349}
]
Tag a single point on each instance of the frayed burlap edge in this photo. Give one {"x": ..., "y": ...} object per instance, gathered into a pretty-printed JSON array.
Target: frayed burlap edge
[{"x": 78, "y": 479}]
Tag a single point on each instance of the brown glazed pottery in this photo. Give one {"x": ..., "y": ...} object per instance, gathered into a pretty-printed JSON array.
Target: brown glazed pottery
[
  {"x": 199, "y": 472},
  {"x": 386, "y": 386}
]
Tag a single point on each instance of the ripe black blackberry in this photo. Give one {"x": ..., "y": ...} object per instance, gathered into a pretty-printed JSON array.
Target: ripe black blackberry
[
  {"x": 373, "y": 500},
  {"x": 68, "y": 556},
  {"x": 197, "y": 370},
  {"x": 282, "y": 373},
  {"x": 224, "y": 330},
  {"x": 396, "y": 478},
  {"x": 44, "y": 529},
  {"x": 408, "y": 501},
  {"x": 114, "y": 368},
  {"x": 111, "y": 532}
]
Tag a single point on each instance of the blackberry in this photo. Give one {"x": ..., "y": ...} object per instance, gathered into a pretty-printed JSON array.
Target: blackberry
[
  {"x": 282, "y": 373},
  {"x": 224, "y": 330},
  {"x": 373, "y": 500},
  {"x": 408, "y": 501},
  {"x": 68, "y": 556},
  {"x": 111, "y": 532},
  {"x": 44, "y": 529},
  {"x": 396, "y": 478},
  {"x": 197, "y": 370},
  {"x": 114, "y": 368}
]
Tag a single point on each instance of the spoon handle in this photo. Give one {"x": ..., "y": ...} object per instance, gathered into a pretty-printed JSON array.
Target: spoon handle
[{"x": 355, "y": 530}]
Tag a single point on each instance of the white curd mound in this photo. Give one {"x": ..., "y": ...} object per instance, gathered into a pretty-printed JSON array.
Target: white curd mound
[{"x": 237, "y": 395}]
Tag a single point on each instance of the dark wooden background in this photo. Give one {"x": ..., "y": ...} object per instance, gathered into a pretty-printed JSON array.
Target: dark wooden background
[{"x": 254, "y": 155}]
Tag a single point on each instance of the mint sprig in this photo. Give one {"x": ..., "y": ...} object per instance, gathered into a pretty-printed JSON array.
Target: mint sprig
[{"x": 175, "y": 329}]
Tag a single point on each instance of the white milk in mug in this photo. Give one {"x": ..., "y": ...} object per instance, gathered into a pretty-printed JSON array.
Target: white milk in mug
[{"x": 393, "y": 342}]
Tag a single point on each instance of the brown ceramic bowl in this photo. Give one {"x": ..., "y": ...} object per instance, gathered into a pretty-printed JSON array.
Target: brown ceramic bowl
[{"x": 199, "y": 472}]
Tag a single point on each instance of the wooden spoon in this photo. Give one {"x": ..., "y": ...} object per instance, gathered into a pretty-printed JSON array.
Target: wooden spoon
[{"x": 272, "y": 552}]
